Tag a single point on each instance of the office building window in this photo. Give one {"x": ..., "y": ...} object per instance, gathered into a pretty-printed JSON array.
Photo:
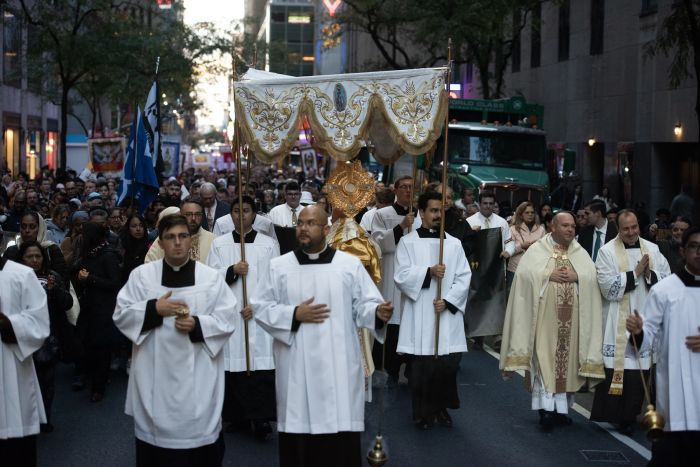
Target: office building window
[
  {"x": 12, "y": 48},
  {"x": 564, "y": 31},
  {"x": 597, "y": 26},
  {"x": 515, "y": 56},
  {"x": 536, "y": 36},
  {"x": 649, "y": 7}
]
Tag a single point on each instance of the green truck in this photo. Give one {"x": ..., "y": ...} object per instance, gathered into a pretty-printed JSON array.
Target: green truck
[{"x": 496, "y": 145}]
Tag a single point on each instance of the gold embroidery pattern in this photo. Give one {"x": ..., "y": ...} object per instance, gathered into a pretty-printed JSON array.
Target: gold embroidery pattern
[
  {"x": 564, "y": 308},
  {"x": 194, "y": 248},
  {"x": 409, "y": 109}
]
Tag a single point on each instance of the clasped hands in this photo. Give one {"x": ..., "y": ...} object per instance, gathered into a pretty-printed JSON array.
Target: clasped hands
[
  {"x": 642, "y": 267},
  {"x": 563, "y": 275},
  {"x": 168, "y": 307},
  {"x": 309, "y": 312}
]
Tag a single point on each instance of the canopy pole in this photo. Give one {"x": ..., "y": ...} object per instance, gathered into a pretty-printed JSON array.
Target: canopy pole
[
  {"x": 413, "y": 190},
  {"x": 444, "y": 189},
  {"x": 237, "y": 146}
]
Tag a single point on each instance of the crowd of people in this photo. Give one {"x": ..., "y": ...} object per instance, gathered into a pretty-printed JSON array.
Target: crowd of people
[{"x": 241, "y": 292}]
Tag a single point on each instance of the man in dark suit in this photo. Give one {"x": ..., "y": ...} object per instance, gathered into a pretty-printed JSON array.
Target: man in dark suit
[
  {"x": 213, "y": 209},
  {"x": 599, "y": 231}
]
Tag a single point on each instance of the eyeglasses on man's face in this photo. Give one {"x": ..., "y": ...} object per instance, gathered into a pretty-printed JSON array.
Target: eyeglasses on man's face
[
  {"x": 692, "y": 247},
  {"x": 309, "y": 224},
  {"x": 172, "y": 237}
]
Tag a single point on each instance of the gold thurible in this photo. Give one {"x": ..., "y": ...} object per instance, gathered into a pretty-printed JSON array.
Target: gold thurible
[{"x": 377, "y": 457}]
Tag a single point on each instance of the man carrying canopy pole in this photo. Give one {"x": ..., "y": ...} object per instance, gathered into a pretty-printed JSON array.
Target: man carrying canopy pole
[
  {"x": 250, "y": 375},
  {"x": 433, "y": 380}
]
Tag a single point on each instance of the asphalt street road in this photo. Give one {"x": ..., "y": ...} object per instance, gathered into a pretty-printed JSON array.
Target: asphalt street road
[{"x": 494, "y": 427}]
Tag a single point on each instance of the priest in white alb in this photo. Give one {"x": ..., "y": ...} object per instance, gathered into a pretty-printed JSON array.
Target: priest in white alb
[
  {"x": 670, "y": 321},
  {"x": 24, "y": 324},
  {"x": 250, "y": 380},
  {"x": 179, "y": 314},
  {"x": 389, "y": 224},
  {"x": 433, "y": 380},
  {"x": 313, "y": 305},
  {"x": 628, "y": 266}
]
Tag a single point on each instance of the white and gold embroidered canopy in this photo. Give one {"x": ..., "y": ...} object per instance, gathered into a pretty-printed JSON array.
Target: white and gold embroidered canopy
[{"x": 398, "y": 111}]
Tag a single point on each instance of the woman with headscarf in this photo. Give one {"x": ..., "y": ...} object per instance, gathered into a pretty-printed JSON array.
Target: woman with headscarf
[
  {"x": 70, "y": 245},
  {"x": 98, "y": 279},
  {"x": 33, "y": 255},
  {"x": 33, "y": 228}
]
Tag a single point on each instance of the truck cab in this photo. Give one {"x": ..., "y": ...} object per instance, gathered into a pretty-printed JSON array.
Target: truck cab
[{"x": 508, "y": 159}]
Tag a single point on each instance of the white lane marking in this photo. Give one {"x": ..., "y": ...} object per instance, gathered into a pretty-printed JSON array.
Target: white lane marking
[{"x": 626, "y": 440}]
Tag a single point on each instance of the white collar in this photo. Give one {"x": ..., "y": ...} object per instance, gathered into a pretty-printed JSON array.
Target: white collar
[
  {"x": 315, "y": 256},
  {"x": 697, "y": 278},
  {"x": 176, "y": 268},
  {"x": 603, "y": 229}
]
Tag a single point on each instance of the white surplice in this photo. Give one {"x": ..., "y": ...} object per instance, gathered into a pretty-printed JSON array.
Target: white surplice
[
  {"x": 383, "y": 223},
  {"x": 414, "y": 255},
  {"x": 318, "y": 367},
  {"x": 672, "y": 313},
  {"x": 176, "y": 387},
  {"x": 282, "y": 214},
  {"x": 23, "y": 301},
  {"x": 224, "y": 253},
  {"x": 612, "y": 285},
  {"x": 261, "y": 224}
]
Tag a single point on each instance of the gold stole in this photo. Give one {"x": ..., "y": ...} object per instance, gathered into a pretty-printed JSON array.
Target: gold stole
[
  {"x": 623, "y": 310},
  {"x": 564, "y": 309},
  {"x": 359, "y": 246},
  {"x": 194, "y": 248}
]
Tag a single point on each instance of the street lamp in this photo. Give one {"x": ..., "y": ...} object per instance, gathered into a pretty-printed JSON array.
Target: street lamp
[
  {"x": 678, "y": 129},
  {"x": 591, "y": 141}
]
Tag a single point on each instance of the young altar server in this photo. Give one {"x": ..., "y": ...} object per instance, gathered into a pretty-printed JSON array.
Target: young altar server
[
  {"x": 433, "y": 381},
  {"x": 313, "y": 305},
  {"x": 24, "y": 324},
  {"x": 627, "y": 267},
  {"x": 670, "y": 321},
  {"x": 179, "y": 313},
  {"x": 250, "y": 396}
]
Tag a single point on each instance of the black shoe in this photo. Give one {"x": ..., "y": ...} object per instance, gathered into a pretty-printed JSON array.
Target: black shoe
[
  {"x": 237, "y": 425},
  {"x": 546, "y": 421},
  {"x": 78, "y": 384},
  {"x": 46, "y": 427},
  {"x": 444, "y": 419},
  {"x": 262, "y": 430},
  {"x": 425, "y": 424},
  {"x": 562, "y": 419}
]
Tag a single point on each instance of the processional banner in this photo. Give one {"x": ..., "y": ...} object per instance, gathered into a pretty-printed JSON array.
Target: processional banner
[{"x": 487, "y": 291}]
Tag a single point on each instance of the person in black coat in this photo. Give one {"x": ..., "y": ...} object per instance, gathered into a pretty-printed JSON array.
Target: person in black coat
[
  {"x": 33, "y": 255},
  {"x": 98, "y": 278},
  {"x": 134, "y": 240}
]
